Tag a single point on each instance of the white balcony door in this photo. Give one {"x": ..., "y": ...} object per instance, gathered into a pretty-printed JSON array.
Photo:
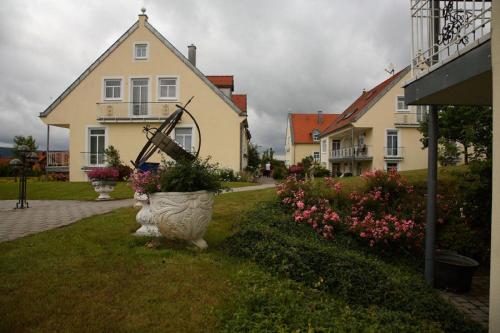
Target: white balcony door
[
  {"x": 140, "y": 93},
  {"x": 97, "y": 144},
  {"x": 184, "y": 137},
  {"x": 392, "y": 143}
]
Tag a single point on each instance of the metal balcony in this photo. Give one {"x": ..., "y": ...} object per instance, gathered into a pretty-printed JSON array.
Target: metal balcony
[
  {"x": 126, "y": 112},
  {"x": 57, "y": 161},
  {"x": 408, "y": 119},
  {"x": 442, "y": 28},
  {"x": 357, "y": 153},
  {"x": 393, "y": 153}
]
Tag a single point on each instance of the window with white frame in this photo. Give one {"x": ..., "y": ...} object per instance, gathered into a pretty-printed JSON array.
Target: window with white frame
[
  {"x": 315, "y": 135},
  {"x": 316, "y": 156},
  {"x": 140, "y": 93},
  {"x": 422, "y": 113},
  {"x": 141, "y": 51},
  {"x": 167, "y": 88},
  {"x": 401, "y": 105},
  {"x": 392, "y": 143},
  {"x": 184, "y": 137},
  {"x": 97, "y": 145},
  {"x": 391, "y": 166},
  {"x": 323, "y": 146},
  {"x": 112, "y": 89}
]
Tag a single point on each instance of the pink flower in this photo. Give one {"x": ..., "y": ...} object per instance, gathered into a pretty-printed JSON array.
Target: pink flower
[{"x": 300, "y": 204}]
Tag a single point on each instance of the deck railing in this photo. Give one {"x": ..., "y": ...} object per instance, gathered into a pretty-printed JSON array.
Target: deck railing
[
  {"x": 58, "y": 159},
  {"x": 441, "y": 28},
  {"x": 130, "y": 112},
  {"x": 356, "y": 152}
]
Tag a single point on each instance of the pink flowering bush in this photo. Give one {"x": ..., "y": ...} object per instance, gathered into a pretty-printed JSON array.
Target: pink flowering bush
[
  {"x": 105, "y": 173},
  {"x": 144, "y": 182}
]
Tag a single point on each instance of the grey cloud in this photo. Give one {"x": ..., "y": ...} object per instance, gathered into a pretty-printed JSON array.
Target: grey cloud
[{"x": 288, "y": 56}]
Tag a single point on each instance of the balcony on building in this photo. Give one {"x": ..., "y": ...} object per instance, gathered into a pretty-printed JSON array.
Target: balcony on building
[
  {"x": 356, "y": 153},
  {"x": 451, "y": 53},
  {"x": 394, "y": 153},
  {"x": 129, "y": 112},
  {"x": 58, "y": 161}
]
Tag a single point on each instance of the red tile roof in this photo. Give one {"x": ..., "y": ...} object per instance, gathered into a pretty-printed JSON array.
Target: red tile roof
[
  {"x": 222, "y": 81},
  {"x": 303, "y": 124},
  {"x": 241, "y": 101},
  {"x": 349, "y": 115}
]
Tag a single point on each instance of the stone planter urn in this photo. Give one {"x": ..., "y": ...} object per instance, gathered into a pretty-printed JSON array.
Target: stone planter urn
[
  {"x": 145, "y": 218},
  {"x": 104, "y": 188},
  {"x": 183, "y": 215}
]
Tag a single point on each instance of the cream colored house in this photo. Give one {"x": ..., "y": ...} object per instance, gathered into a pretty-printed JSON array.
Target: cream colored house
[
  {"x": 137, "y": 82},
  {"x": 377, "y": 131},
  {"x": 456, "y": 60},
  {"x": 302, "y": 135}
]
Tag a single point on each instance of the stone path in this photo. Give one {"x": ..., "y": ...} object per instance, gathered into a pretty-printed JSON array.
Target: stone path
[
  {"x": 475, "y": 303},
  {"x": 49, "y": 214}
]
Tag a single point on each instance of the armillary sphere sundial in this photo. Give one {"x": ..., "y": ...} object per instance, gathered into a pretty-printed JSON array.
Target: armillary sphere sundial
[{"x": 159, "y": 139}]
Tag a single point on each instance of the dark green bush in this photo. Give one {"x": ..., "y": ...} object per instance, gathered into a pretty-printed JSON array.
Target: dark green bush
[
  {"x": 269, "y": 238},
  {"x": 189, "y": 176}
]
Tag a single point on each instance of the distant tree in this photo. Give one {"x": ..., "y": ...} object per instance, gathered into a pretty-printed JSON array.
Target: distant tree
[
  {"x": 253, "y": 157},
  {"x": 28, "y": 141},
  {"x": 448, "y": 152},
  {"x": 471, "y": 126},
  {"x": 267, "y": 156},
  {"x": 112, "y": 156}
]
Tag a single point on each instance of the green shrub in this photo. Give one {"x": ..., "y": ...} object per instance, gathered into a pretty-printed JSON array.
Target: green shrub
[
  {"x": 279, "y": 172},
  {"x": 189, "y": 176},
  {"x": 269, "y": 238}
]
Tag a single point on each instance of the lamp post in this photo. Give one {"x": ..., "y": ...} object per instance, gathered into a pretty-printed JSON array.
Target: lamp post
[{"x": 27, "y": 157}]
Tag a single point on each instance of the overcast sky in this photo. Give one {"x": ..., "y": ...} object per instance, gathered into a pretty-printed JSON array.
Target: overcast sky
[{"x": 287, "y": 55}]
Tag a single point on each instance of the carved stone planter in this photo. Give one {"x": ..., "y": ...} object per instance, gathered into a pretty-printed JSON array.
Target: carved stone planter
[
  {"x": 104, "y": 188},
  {"x": 145, "y": 218},
  {"x": 183, "y": 215}
]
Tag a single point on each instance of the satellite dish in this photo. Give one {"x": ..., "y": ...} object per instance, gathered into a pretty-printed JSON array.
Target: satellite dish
[
  {"x": 390, "y": 69},
  {"x": 159, "y": 139}
]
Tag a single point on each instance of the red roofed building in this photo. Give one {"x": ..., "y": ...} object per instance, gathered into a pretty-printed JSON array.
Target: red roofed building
[
  {"x": 377, "y": 131},
  {"x": 302, "y": 135}
]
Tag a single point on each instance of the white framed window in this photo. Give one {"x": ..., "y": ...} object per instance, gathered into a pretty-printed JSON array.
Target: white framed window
[
  {"x": 112, "y": 89},
  {"x": 335, "y": 145},
  {"x": 316, "y": 156},
  {"x": 361, "y": 139},
  {"x": 422, "y": 111},
  {"x": 184, "y": 137},
  {"x": 392, "y": 142},
  {"x": 389, "y": 166},
  {"x": 141, "y": 50},
  {"x": 315, "y": 135},
  {"x": 168, "y": 88},
  {"x": 96, "y": 146},
  {"x": 401, "y": 105},
  {"x": 140, "y": 96},
  {"x": 323, "y": 146}
]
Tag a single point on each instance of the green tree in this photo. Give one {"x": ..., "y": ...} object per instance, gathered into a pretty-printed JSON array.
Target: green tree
[
  {"x": 28, "y": 141},
  {"x": 253, "y": 157},
  {"x": 112, "y": 156},
  {"x": 471, "y": 126}
]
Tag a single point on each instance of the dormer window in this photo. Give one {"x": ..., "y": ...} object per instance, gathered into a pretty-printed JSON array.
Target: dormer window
[
  {"x": 315, "y": 135},
  {"x": 141, "y": 51}
]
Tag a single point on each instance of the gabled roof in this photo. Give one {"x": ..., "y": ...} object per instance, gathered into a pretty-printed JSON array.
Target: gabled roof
[
  {"x": 120, "y": 41},
  {"x": 222, "y": 81},
  {"x": 302, "y": 125},
  {"x": 241, "y": 101},
  {"x": 364, "y": 102}
]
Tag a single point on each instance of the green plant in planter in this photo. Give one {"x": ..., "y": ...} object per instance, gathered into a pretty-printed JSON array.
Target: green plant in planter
[{"x": 189, "y": 176}]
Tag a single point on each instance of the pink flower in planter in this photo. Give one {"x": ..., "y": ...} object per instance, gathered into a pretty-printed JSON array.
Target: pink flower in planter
[{"x": 106, "y": 173}]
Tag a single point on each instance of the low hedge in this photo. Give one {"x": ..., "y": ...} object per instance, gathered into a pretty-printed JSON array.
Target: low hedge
[{"x": 268, "y": 237}]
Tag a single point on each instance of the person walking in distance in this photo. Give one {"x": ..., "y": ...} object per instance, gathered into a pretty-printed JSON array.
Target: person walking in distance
[{"x": 268, "y": 169}]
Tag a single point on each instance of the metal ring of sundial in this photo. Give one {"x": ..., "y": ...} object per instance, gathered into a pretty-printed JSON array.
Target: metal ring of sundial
[{"x": 159, "y": 139}]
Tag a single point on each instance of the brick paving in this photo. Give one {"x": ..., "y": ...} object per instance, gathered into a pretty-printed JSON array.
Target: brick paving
[
  {"x": 475, "y": 303},
  {"x": 49, "y": 214}
]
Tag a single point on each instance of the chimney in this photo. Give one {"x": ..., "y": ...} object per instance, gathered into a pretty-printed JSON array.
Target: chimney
[
  {"x": 320, "y": 117},
  {"x": 143, "y": 17},
  {"x": 192, "y": 54}
]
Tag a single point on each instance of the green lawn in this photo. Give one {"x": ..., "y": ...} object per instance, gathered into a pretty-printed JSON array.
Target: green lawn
[
  {"x": 95, "y": 276},
  {"x": 52, "y": 190}
]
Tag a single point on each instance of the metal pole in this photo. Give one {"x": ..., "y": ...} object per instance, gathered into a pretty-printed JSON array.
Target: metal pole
[
  {"x": 430, "y": 228},
  {"x": 47, "y": 154}
]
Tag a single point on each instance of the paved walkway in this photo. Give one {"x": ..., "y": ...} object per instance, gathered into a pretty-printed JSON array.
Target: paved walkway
[
  {"x": 49, "y": 214},
  {"x": 475, "y": 303}
]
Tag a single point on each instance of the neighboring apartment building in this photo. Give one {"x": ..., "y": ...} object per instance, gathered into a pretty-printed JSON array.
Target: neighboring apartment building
[
  {"x": 137, "y": 82},
  {"x": 302, "y": 135},
  {"x": 377, "y": 131},
  {"x": 456, "y": 60}
]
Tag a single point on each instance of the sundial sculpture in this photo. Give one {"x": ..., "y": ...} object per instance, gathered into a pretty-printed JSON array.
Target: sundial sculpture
[{"x": 159, "y": 139}]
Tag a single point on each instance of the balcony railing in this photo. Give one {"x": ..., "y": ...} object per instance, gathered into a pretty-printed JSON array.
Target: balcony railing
[
  {"x": 408, "y": 119},
  {"x": 393, "y": 153},
  {"x": 58, "y": 159},
  {"x": 441, "y": 28},
  {"x": 134, "y": 112},
  {"x": 91, "y": 160},
  {"x": 357, "y": 153}
]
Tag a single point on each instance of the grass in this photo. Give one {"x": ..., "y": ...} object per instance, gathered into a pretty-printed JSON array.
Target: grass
[
  {"x": 95, "y": 276},
  {"x": 52, "y": 190}
]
